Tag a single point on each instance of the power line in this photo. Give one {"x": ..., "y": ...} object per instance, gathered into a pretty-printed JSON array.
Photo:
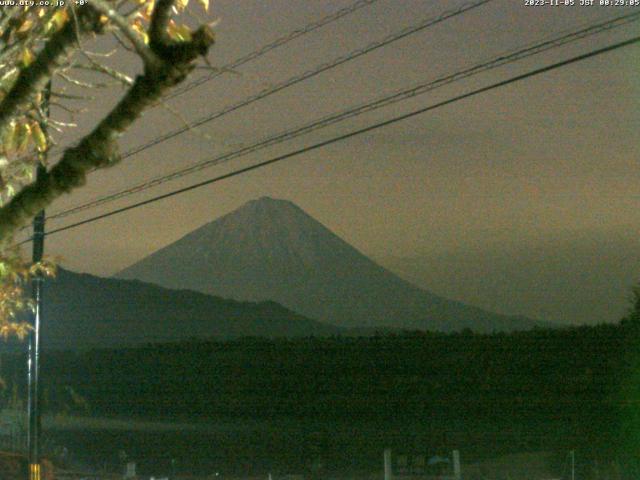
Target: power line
[
  {"x": 238, "y": 62},
  {"x": 351, "y": 134},
  {"x": 394, "y": 37},
  {"x": 424, "y": 24},
  {"x": 279, "y": 42},
  {"x": 500, "y": 60}
]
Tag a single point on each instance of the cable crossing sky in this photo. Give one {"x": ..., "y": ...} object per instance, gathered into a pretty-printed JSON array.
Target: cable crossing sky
[
  {"x": 296, "y": 79},
  {"x": 272, "y": 46},
  {"x": 422, "y": 88},
  {"x": 353, "y": 133},
  {"x": 279, "y": 42}
]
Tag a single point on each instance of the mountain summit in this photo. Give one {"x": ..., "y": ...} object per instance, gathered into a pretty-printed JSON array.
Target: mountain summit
[{"x": 270, "y": 249}]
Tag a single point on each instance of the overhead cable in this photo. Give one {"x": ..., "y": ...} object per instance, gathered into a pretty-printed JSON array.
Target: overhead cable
[
  {"x": 348, "y": 135},
  {"x": 296, "y": 79},
  {"x": 422, "y": 88}
]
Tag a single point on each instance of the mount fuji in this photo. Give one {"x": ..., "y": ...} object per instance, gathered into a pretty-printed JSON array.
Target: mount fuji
[{"x": 270, "y": 249}]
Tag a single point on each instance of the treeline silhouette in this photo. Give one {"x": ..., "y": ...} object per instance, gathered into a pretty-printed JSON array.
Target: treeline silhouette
[{"x": 560, "y": 389}]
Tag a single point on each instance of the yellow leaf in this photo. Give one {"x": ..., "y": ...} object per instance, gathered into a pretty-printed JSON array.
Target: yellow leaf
[
  {"x": 26, "y": 26},
  {"x": 148, "y": 10},
  {"x": 39, "y": 137},
  {"x": 5, "y": 330},
  {"x": 8, "y": 79},
  {"x": 9, "y": 139},
  {"x": 58, "y": 20},
  {"x": 23, "y": 134},
  {"x": 22, "y": 329},
  {"x": 182, "y": 33},
  {"x": 27, "y": 57},
  {"x": 182, "y": 4},
  {"x": 137, "y": 26}
]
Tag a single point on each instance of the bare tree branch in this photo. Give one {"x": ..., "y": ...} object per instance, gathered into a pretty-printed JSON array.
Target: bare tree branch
[
  {"x": 68, "y": 96},
  {"x": 98, "y": 67},
  {"x": 196, "y": 131},
  {"x": 108, "y": 54},
  {"x": 63, "y": 124},
  {"x": 33, "y": 78},
  {"x": 88, "y": 85},
  {"x": 70, "y": 111},
  {"x": 99, "y": 148},
  {"x": 140, "y": 47}
]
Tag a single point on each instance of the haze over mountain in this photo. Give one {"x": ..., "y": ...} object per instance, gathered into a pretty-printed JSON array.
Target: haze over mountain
[
  {"x": 271, "y": 249},
  {"x": 577, "y": 278},
  {"x": 85, "y": 311}
]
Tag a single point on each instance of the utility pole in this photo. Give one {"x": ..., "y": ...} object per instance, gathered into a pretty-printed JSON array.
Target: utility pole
[
  {"x": 457, "y": 474},
  {"x": 573, "y": 465},
  {"x": 388, "y": 466},
  {"x": 33, "y": 362}
]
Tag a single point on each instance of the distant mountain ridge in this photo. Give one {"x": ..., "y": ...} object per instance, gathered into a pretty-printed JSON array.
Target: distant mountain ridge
[
  {"x": 85, "y": 311},
  {"x": 270, "y": 249}
]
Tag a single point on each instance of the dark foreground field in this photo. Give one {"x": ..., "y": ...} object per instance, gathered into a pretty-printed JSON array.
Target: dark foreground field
[
  {"x": 280, "y": 447},
  {"x": 280, "y": 406}
]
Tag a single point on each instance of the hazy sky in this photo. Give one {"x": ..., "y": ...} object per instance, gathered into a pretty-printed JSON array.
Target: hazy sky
[{"x": 523, "y": 199}]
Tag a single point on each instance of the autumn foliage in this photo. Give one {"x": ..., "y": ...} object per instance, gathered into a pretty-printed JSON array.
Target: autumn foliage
[{"x": 44, "y": 63}]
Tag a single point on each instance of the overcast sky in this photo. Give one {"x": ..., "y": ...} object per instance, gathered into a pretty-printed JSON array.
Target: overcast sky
[{"x": 523, "y": 199}]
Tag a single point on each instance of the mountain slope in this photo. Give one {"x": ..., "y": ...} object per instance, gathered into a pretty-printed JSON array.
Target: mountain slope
[
  {"x": 271, "y": 249},
  {"x": 83, "y": 311}
]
